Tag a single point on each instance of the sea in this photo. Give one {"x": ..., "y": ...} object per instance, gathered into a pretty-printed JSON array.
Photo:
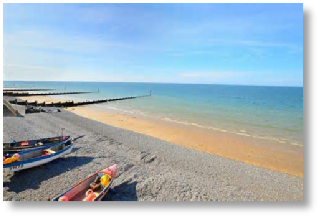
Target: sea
[{"x": 266, "y": 112}]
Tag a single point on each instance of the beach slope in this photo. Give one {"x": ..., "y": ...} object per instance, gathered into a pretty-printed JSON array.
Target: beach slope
[{"x": 149, "y": 168}]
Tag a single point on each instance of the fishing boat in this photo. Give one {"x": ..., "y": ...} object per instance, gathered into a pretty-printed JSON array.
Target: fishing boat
[
  {"x": 93, "y": 188},
  {"x": 36, "y": 156},
  {"x": 15, "y": 147}
]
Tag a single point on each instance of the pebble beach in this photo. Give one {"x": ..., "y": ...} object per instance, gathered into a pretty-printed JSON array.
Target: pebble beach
[
  {"x": 150, "y": 102},
  {"x": 149, "y": 169}
]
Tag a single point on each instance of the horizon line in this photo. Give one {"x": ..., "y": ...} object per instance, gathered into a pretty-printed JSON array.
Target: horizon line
[{"x": 155, "y": 83}]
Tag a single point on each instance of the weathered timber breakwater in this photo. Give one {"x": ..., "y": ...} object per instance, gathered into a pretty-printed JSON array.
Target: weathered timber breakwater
[
  {"x": 72, "y": 103},
  {"x": 26, "y": 94},
  {"x": 23, "y": 90}
]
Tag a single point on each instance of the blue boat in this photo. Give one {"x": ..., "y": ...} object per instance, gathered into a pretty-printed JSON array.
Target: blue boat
[
  {"x": 16, "y": 147},
  {"x": 38, "y": 155}
]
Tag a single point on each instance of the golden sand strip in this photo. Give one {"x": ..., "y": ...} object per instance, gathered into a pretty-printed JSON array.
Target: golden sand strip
[{"x": 257, "y": 152}]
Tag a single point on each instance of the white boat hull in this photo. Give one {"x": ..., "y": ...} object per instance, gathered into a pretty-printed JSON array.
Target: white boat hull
[{"x": 29, "y": 164}]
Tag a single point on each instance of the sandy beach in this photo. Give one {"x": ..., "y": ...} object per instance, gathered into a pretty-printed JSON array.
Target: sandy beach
[
  {"x": 258, "y": 152},
  {"x": 149, "y": 169},
  {"x": 192, "y": 102}
]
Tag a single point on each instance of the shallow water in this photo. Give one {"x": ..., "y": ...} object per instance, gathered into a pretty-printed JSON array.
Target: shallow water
[{"x": 272, "y": 113}]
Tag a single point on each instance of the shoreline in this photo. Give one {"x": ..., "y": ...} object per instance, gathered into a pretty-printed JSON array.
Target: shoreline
[
  {"x": 149, "y": 169},
  {"x": 257, "y": 152}
]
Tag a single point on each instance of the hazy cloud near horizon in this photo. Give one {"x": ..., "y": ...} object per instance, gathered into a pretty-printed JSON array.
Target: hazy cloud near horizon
[{"x": 253, "y": 44}]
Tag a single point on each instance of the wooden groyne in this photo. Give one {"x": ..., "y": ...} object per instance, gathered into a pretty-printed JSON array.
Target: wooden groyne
[
  {"x": 24, "y": 90},
  {"x": 26, "y": 94},
  {"x": 72, "y": 103}
]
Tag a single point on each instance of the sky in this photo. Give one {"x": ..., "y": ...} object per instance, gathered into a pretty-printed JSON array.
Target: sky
[{"x": 246, "y": 44}]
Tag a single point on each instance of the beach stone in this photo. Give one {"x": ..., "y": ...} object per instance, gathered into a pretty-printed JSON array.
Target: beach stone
[
  {"x": 127, "y": 167},
  {"x": 148, "y": 169},
  {"x": 135, "y": 176},
  {"x": 149, "y": 158},
  {"x": 141, "y": 156}
]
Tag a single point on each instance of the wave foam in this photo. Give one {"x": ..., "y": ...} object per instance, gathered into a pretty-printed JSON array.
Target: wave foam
[{"x": 242, "y": 132}]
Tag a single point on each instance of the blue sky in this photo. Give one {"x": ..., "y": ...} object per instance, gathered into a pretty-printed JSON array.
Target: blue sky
[{"x": 250, "y": 44}]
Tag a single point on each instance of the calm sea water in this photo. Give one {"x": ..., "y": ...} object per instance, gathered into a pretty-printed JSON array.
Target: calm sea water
[{"x": 271, "y": 113}]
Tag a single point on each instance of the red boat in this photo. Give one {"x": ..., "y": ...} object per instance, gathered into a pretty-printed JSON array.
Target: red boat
[{"x": 93, "y": 188}]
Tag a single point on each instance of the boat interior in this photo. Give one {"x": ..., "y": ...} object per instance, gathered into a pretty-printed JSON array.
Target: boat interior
[
  {"x": 10, "y": 149},
  {"x": 33, "y": 143},
  {"x": 44, "y": 152},
  {"x": 82, "y": 191}
]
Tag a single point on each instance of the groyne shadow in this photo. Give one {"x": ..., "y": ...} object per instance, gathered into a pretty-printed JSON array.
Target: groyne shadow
[
  {"x": 126, "y": 191},
  {"x": 32, "y": 178}
]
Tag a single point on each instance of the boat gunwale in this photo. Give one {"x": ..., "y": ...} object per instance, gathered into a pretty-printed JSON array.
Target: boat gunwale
[
  {"x": 36, "y": 140},
  {"x": 36, "y": 159},
  {"x": 101, "y": 194}
]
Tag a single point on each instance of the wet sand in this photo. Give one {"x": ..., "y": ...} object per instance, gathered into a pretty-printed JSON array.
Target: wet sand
[
  {"x": 258, "y": 152},
  {"x": 149, "y": 169}
]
